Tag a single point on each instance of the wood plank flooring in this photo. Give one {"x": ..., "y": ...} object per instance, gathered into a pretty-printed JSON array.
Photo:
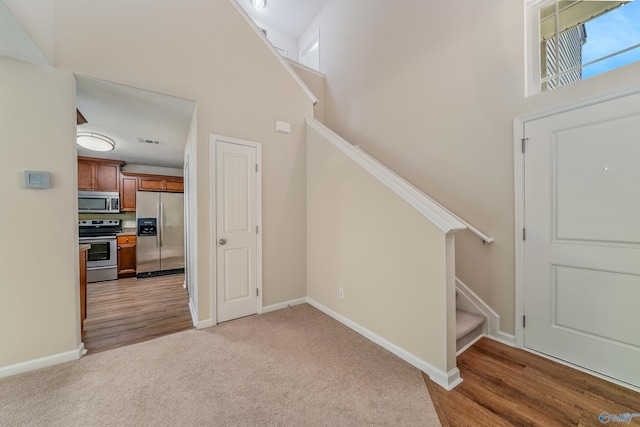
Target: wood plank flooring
[
  {"x": 505, "y": 386},
  {"x": 127, "y": 311}
]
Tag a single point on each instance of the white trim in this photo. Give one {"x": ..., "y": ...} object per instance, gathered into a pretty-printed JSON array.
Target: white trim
[
  {"x": 43, "y": 362},
  {"x": 194, "y": 312},
  {"x": 212, "y": 217},
  {"x": 473, "y": 341},
  {"x": 447, "y": 380},
  {"x": 295, "y": 64},
  {"x": 206, "y": 324},
  {"x": 282, "y": 305},
  {"x": 519, "y": 189},
  {"x": 269, "y": 46},
  {"x": 493, "y": 319},
  {"x": 532, "y": 45},
  {"x": 445, "y": 221}
]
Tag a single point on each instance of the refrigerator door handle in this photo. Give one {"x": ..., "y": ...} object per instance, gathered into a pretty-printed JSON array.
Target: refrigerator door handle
[
  {"x": 161, "y": 224},
  {"x": 158, "y": 227}
]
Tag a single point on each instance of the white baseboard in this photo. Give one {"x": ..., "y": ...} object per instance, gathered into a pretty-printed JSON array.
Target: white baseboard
[
  {"x": 205, "y": 324},
  {"x": 474, "y": 303},
  {"x": 194, "y": 313},
  {"x": 447, "y": 380},
  {"x": 504, "y": 338},
  {"x": 282, "y": 305},
  {"x": 43, "y": 362},
  {"x": 475, "y": 340}
]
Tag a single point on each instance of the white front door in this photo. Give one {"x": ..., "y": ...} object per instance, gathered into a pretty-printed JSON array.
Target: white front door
[
  {"x": 236, "y": 229},
  {"x": 582, "y": 245}
]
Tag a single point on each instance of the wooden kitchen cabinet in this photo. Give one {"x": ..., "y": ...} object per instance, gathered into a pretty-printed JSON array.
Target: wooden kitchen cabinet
[
  {"x": 130, "y": 183},
  {"x": 172, "y": 184},
  {"x": 126, "y": 256},
  {"x": 98, "y": 174},
  {"x": 128, "y": 188}
]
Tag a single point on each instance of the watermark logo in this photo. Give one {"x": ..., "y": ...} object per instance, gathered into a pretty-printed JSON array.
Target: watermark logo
[{"x": 606, "y": 418}]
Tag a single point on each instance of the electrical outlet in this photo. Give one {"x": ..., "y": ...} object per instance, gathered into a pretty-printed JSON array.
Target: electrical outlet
[{"x": 341, "y": 293}]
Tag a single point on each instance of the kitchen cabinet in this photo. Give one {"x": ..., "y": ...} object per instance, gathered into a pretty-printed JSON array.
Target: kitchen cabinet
[
  {"x": 98, "y": 174},
  {"x": 128, "y": 188},
  {"x": 171, "y": 184},
  {"x": 126, "y": 256},
  {"x": 130, "y": 183}
]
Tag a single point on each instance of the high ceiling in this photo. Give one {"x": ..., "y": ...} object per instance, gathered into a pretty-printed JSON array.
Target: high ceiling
[
  {"x": 291, "y": 17},
  {"x": 148, "y": 128},
  {"x": 129, "y": 115}
]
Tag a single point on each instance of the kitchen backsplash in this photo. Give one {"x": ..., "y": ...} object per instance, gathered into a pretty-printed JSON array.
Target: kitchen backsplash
[{"x": 127, "y": 219}]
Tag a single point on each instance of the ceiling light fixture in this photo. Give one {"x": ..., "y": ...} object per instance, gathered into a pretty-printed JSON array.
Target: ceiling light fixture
[
  {"x": 95, "y": 141},
  {"x": 259, "y": 4}
]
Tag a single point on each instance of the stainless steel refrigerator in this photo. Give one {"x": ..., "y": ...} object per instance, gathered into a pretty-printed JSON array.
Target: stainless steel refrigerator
[{"x": 160, "y": 244}]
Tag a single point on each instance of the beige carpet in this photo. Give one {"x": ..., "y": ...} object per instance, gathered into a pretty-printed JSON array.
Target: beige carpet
[{"x": 293, "y": 367}]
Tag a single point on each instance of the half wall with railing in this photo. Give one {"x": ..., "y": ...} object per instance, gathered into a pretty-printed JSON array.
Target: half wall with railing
[{"x": 380, "y": 255}]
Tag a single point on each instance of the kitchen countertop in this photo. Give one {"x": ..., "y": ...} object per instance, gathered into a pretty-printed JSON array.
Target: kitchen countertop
[
  {"x": 128, "y": 232},
  {"x": 83, "y": 247}
]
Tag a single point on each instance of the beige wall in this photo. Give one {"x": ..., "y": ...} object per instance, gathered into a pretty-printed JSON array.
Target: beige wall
[
  {"x": 39, "y": 302},
  {"x": 431, "y": 90},
  {"x": 315, "y": 82},
  {"x": 389, "y": 259},
  {"x": 182, "y": 49}
]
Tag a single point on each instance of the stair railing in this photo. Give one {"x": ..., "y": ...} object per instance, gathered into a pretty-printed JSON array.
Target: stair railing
[{"x": 486, "y": 240}]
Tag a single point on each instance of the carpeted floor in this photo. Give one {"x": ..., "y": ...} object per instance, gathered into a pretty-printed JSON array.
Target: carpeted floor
[{"x": 293, "y": 367}]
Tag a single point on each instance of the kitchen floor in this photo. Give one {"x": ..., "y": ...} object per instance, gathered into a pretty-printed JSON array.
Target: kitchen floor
[{"x": 127, "y": 311}]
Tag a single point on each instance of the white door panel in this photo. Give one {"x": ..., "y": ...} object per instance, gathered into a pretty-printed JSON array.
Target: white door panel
[
  {"x": 582, "y": 248},
  {"x": 236, "y": 228}
]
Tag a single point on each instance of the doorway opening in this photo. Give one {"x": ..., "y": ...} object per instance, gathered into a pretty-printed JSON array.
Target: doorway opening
[{"x": 147, "y": 293}]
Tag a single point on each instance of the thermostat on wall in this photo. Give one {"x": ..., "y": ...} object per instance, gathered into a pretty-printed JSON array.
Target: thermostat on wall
[{"x": 34, "y": 179}]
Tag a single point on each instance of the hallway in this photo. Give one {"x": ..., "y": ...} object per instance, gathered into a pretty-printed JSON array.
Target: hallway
[{"x": 128, "y": 311}]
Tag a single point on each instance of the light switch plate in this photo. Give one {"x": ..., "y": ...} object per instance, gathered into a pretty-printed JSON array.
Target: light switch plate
[{"x": 283, "y": 127}]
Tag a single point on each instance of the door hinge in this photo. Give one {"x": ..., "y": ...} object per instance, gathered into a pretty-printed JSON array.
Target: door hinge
[
  {"x": 257, "y": 230},
  {"x": 524, "y": 234},
  {"x": 524, "y": 143},
  {"x": 257, "y": 292},
  {"x": 256, "y": 167},
  {"x": 524, "y": 321}
]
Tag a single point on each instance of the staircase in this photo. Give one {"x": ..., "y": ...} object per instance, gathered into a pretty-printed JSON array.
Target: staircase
[{"x": 469, "y": 326}]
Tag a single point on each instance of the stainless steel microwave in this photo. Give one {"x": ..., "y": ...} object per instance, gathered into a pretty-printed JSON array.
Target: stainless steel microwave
[{"x": 98, "y": 202}]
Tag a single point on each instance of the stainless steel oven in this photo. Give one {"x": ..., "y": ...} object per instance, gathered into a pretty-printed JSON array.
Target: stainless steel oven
[{"x": 102, "y": 259}]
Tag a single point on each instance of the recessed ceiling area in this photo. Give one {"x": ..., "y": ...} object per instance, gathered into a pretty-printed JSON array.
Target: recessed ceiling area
[
  {"x": 148, "y": 128},
  {"x": 291, "y": 17}
]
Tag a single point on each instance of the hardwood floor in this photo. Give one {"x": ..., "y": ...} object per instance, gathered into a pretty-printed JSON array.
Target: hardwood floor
[
  {"x": 505, "y": 386},
  {"x": 127, "y": 311}
]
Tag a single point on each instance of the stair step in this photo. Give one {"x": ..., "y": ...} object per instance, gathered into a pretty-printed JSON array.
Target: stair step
[{"x": 468, "y": 327}]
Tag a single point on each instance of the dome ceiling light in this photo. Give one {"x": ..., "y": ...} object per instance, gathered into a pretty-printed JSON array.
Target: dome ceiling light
[
  {"x": 259, "y": 4},
  {"x": 95, "y": 141}
]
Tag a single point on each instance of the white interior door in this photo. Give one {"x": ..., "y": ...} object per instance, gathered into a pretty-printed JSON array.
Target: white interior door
[
  {"x": 582, "y": 247},
  {"x": 236, "y": 230}
]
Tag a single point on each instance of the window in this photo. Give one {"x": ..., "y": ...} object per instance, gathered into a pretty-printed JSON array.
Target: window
[{"x": 574, "y": 40}]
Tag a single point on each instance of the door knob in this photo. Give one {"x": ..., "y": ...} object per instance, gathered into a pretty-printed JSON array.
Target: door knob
[{"x": 222, "y": 241}]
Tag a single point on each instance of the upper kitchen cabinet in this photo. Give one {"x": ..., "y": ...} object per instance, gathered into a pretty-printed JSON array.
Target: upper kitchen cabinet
[
  {"x": 171, "y": 184},
  {"x": 98, "y": 174},
  {"x": 130, "y": 183}
]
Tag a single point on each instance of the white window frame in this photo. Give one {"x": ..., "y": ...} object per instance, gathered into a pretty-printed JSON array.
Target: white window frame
[{"x": 532, "y": 45}]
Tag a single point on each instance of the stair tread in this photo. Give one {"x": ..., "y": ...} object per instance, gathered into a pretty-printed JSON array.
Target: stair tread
[{"x": 467, "y": 322}]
